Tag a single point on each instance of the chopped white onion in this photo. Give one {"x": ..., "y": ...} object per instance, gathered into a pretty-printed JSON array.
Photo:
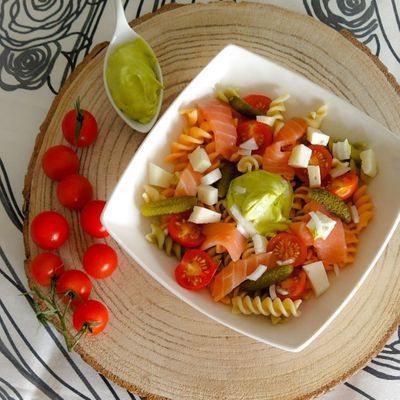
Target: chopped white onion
[
  {"x": 159, "y": 176},
  {"x": 260, "y": 243},
  {"x": 201, "y": 215},
  {"x": 257, "y": 273},
  {"x": 285, "y": 262},
  {"x": 281, "y": 291},
  {"x": 246, "y": 225},
  {"x": 199, "y": 160},
  {"x": 242, "y": 231},
  {"x": 250, "y": 144},
  {"x": 266, "y": 120},
  {"x": 212, "y": 177},
  {"x": 244, "y": 152},
  {"x": 339, "y": 171},
  {"x": 354, "y": 214},
  {"x": 336, "y": 269},
  {"x": 239, "y": 190},
  {"x": 272, "y": 292}
]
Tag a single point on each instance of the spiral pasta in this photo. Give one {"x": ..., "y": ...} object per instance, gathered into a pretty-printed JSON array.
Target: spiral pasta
[
  {"x": 352, "y": 238},
  {"x": 314, "y": 118},
  {"x": 245, "y": 304},
  {"x": 276, "y": 108},
  {"x": 187, "y": 142},
  {"x": 213, "y": 155},
  {"x": 300, "y": 199},
  {"x": 164, "y": 242},
  {"x": 249, "y": 163},
  {"x": 191, "y": 114},
  {"x": 363, "y": 202}
]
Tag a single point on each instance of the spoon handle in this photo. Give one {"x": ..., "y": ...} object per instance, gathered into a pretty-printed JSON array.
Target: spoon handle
[{"x": 121, "y": 24}]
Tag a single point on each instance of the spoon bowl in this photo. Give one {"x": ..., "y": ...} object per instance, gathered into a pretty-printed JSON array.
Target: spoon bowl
[{"x": 124, "y": 33}]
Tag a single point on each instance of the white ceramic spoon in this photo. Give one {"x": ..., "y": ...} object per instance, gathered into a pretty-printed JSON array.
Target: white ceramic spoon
[{"x": 124, "y": 33}]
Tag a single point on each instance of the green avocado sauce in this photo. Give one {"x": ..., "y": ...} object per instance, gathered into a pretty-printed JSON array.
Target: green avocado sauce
[{"x": 132, "y": 80}]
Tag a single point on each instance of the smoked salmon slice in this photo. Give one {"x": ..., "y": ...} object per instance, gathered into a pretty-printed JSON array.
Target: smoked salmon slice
[
  {"x": 224, "y": 234},
  {"x": 219, "y": 116},
  {"x": 276, "y": 157},
  {"x": 236, "y": 272},
  {"x": 189, "y": 180},
  {"x": 300, "y": 229}
]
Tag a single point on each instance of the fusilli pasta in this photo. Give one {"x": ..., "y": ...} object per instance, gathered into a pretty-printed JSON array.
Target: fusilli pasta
[
  {"x": 276, "y": 108},
  {"x": 244, "y": 304},
  {"x": 363, "y": 202},
  {"x": 314, "y": 118},
  {"x": 300, "y": 199},
  {"x": 164, "y": 242},
  {"x": 249, "y": 163}
]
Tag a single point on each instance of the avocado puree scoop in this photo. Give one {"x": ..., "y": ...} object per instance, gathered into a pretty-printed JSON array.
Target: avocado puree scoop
[{"x": 132, "y": 76}]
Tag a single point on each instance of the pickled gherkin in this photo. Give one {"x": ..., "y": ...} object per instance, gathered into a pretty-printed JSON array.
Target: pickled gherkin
[
  {"x": 228, "y": 172},
  {"x": 332, "y": 203},
  {"x": 244, "y": 108},
  {"x": 268, "y": 278},
  {"x": 172, "y": 205}
]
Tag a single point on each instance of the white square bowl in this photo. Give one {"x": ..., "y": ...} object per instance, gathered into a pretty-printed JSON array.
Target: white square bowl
[{"x": 251, "y": 73}]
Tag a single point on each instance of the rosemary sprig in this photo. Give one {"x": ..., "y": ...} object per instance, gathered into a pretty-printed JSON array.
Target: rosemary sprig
[{"x": 53, "y": 311}]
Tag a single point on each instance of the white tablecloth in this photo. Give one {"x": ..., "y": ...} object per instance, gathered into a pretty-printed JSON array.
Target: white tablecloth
[{"x": 40, "y": 42}]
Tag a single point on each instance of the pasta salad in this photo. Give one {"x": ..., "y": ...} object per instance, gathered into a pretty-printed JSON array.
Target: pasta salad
[{"x": 261, "y": 209}]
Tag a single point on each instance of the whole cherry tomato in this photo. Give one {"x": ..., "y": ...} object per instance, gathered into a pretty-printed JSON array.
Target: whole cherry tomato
[
  {"x": 44, "y": 266},
  {"x": 91, "y": 313},
  {"x": 59, "y": 162},
  {"x": 76, "y": 281},
  {"x": 196, "y": 270},
  {"x": 49, "y": 230},
  {"x": 74, "y": 191},
  {"x": 90, "y": 219},
  {"x": 79, "y": 127},
  {"x": 100, "y": 260}
]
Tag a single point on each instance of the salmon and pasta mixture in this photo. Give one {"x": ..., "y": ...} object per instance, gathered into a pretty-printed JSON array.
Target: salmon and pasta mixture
[{"x": 262, "y": 210}]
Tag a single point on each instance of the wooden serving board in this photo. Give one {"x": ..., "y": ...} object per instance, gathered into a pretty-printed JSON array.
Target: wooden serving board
[{"x": 156, "y": 345}]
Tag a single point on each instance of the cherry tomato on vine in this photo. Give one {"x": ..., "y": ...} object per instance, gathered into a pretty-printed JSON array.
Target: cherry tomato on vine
[
  {"x": 100, "y": 260},
  {"x": 286, "y": 246},
  {"x": 49, "y": 230},
  {"x": 74, "y": 191},
  {"x": 77, "y": 281},
  {"x": 183, "y": 232},
  {"x": 344, "y": 186},
  {"x": 261, "y": 133},
  {"x": 92, "y": 313},
  {"x": 258, "y": 101},
  {"x": 196, "y": 270},
  {"x": 44, "y": 266},
  {"x": 294, "y": 285},
  {"x": 320, "y": 156},
  {"x": 59, "y": 162},
  {"x": 79, "y": 127},
  {"x": 90, "y": 219}
]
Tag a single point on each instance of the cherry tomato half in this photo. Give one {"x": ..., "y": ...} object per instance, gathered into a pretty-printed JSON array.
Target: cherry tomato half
[
  {"x": 294, "y": 285},
  {"x": 185, "y": 233},
  {"x": 49, "y": 230},
  {"x": 344, "y": 186},
  {"x": 91, "y": 312},
  {"x": 74, "y": 191},
  {"x": 100, "y": 260},
  {"x": 286, "y": 246},
  {"x": 320, "y": 156},
  {"x": 90, "y": 219},
  {"x": 86, "y": 131},
  {"x": 77, "y": 281},
  {"x": 258, "y": 101},
  {"x": 196, "y": 270},
  {"x": 44, "y": 266},
  {"x": 261, "y": 133},
  {"x": 59, "y": 162}
]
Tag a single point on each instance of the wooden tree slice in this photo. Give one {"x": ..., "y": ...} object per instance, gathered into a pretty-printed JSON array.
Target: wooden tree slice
[{"x": 156, "y": 345}]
